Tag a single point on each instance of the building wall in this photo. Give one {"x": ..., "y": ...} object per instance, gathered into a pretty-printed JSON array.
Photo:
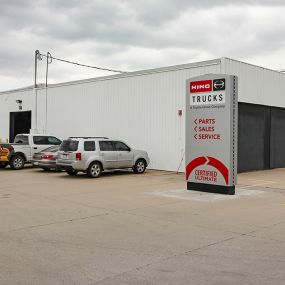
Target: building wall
[
  {"x": 260, "y": 139},
  {"x": 257, "y": 85},
  {"x": 140, "y": 108},
  {"x": 8, "y": 104}
]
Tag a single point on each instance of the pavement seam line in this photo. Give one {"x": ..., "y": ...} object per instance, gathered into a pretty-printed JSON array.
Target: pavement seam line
[
  {"x": 55, "y": 223},
  {"x": 168, "y": 258},
  {"x": 181, "y": 254}
]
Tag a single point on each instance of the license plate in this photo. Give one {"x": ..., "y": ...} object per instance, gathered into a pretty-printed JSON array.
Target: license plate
[
  {"x": 36, "y": 163},
  {"x": 65, "y": 156}
]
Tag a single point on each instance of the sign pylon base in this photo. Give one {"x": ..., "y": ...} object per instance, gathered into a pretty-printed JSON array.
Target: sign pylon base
[{"x": 219, "y": 189}]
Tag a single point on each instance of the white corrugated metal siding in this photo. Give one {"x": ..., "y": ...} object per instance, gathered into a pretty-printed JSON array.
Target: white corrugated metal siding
[
  {"x": 140, "y": 108},
  {"x": 257, "y": 85}
]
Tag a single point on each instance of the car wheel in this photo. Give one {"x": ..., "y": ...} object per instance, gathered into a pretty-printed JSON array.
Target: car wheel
[
  {"x": 17, "y": 162},
  {"x": 94, "y": 170},
  {"x": 71, "y": 172},
  {"x": 139, "y": 166},
  {"x": 3, "y": 164}
]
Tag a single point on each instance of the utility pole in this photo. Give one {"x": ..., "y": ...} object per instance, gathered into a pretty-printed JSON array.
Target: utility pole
[
  {"x": 49, "y": 61},
  {"x": 35, "y": 120},
  {"x": 37, "y": 56}
]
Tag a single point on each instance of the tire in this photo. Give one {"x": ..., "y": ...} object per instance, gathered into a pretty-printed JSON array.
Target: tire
[
  {"x": 3, "y": 164},
  {"x": 140, "y": 166},
  {"x": 71, "y": 172},
  {"x": 94, "y": 169},
  {"x": 17, "y": 162}
]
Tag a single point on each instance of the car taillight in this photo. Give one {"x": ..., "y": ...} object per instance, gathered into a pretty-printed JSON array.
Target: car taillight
[
  {"x": 78, "y": 156},
  {"x": 48, "y": 156}
]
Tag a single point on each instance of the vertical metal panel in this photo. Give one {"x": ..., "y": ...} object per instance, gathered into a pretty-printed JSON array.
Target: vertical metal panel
[{"x": 277, "y": 138}]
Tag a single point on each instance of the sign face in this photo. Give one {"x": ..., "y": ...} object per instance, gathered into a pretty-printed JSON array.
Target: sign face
[{"x": 211, "y": 133}]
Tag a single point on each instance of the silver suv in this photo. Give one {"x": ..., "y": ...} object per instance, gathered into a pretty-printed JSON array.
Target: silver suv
[{"x": 93, "y": 155}]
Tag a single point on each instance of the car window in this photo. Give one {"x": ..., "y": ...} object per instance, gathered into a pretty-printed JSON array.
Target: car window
[
  {"x": 69, "y": 145},
  {"x": 106, "y": 146},
  {"x": 119, "y": 146},
  {"x": 54, "y": 141},
  {"x": 21, "y": 139},
  {"x": 89, "y": 146},
  {"x": 40, "y": 140},
  {"x": 51, "y": 149}
]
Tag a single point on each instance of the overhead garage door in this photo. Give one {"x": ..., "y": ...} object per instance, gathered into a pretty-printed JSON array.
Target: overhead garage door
[{"x": 253, "y": 137}]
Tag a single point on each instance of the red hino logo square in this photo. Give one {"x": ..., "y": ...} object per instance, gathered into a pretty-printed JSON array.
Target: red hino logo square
[{"x": 201, "y": 86}]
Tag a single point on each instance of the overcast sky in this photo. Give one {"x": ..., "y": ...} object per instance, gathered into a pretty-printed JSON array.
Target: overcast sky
[{"x": 133, "y": 35}]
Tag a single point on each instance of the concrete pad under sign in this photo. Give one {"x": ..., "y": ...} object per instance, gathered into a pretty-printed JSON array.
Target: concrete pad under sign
[{"x": 205, "y": 196}]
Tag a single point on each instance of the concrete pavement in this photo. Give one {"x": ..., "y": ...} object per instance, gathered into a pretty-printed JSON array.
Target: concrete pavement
[{"x": 139, "y": 229}]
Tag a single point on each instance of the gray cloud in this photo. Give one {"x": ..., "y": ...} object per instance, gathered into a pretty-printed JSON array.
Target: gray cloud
[{"x": 135, "y": 35}]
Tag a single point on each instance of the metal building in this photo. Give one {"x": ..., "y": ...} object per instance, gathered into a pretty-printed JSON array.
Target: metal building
[{"x": 146, "y": 109}]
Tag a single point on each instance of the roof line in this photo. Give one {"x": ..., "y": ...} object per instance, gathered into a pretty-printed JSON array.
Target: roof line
[
  {"x": 138, "y": 73},
  {"x": 255, "y": 65},
  {"x": 123, "y": 75}
]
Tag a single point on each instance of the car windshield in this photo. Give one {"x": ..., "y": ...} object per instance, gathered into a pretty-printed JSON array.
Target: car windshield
[
  {"x": 69, "y": 145},
  {"x": 51, "y": 149}
]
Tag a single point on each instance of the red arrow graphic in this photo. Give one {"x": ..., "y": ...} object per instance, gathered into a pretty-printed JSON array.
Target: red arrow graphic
[
  {"x": 193, "y": 164},
  {"x": 195, "y": 136},
  {"x": 201, "y": 160},
  {"x": 195, "y": 129},
  {"x": 195, "y": 121},
  {"x": 220, "y": 166}
]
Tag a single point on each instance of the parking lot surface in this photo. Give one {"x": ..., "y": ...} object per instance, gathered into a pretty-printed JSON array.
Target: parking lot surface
[{"x": 124, "y": 228}]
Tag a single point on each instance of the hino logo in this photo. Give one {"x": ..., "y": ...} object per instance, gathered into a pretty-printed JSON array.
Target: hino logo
[
  {"x": 219, "y": 84},
  {"x": 201, "y": 86},
  {"x": 196, "y": 87}
]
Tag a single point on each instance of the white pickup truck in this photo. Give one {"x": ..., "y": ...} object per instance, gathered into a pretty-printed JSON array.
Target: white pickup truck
[{"x": 24, "y": 147}]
